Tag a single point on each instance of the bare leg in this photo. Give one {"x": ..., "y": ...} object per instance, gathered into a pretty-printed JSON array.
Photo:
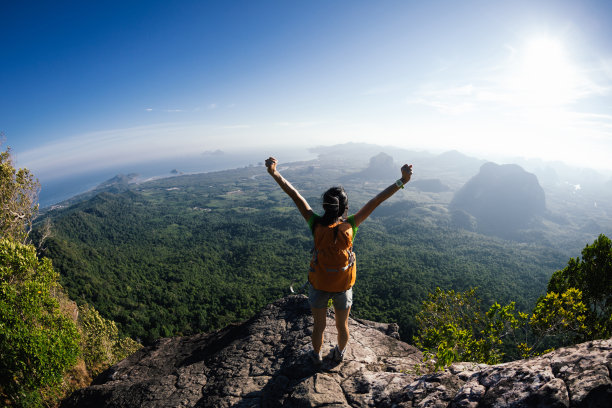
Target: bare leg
[
  {"x": 342, "y": 326},
  {"x": 320, "y": 319}
]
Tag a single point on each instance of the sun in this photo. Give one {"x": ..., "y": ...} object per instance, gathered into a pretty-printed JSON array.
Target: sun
[{"x": 544, "y": 74}]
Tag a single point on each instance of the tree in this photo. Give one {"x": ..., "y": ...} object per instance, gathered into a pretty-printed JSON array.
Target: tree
[
  {"x": 592, "y": 276},
  {"x": 556, "y": 315},
  {"x": 18, "y": 199},
  {"x": 37, "y": 342}
]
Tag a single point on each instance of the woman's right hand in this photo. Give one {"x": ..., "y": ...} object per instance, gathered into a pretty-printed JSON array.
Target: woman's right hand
[
  {"x": 271, "y": 164},
  {"x": 406, "y": 173}
]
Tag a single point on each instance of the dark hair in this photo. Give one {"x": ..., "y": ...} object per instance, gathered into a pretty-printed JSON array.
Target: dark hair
[{"x": 335, "y": 202}]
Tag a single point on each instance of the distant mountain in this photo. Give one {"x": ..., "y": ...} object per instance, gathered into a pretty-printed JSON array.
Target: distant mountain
[
  {"x": 553, "y": 174},
  {"x": 502, "y": 198},
  {"x": 361, "y": 151},
  {"x": 452, "y": 168},
  {"x": 430, "y": 185},
  {"x": 380, "y": 168},
  {"x": 455, "y": 159},
  {"x": 119, "y": 182},
  {"x": 451, "y": 162}
]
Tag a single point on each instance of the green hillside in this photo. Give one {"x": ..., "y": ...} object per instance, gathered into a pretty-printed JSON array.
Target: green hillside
[{"x": 194, "y": 253}]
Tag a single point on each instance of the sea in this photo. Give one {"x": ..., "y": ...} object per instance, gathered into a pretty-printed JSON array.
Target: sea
[{"x": 57, "y": 189}]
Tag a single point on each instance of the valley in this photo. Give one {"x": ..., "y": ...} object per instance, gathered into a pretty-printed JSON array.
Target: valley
[{"x": 193, "y": 253}]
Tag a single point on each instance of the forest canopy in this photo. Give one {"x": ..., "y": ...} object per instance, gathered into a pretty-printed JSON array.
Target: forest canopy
[{"x": 189, "y": 254}]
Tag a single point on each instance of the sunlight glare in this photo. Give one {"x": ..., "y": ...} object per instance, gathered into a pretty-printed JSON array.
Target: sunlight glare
[{"x": 545, "y": 76}]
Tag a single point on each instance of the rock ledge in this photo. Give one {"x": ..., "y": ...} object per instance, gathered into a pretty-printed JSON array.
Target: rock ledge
[{"x": 264, "y": 362}]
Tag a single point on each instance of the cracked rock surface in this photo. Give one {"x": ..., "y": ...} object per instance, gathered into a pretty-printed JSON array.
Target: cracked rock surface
[{"x": 264, "y": 362}]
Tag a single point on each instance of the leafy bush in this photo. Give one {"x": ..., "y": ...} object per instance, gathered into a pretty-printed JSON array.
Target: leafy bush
[
  {"x": 100, "y": 342},
  {"x": 37, "y": 342},
  {"x": 557, "y": 315},
  {"x": 453, "y": 327}
]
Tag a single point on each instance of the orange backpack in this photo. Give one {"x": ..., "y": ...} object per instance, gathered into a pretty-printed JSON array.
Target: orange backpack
[{"x": 333, "y": 266}]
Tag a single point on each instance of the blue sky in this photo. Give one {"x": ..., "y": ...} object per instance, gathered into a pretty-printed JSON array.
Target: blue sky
[{"x": 87, "y": 85}]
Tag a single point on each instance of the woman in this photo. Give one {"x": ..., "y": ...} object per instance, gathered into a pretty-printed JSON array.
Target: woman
[{"x": 333, "y": 267}]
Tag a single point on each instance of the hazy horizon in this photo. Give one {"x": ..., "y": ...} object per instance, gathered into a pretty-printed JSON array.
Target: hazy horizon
[
  {"x": 57, "y": 188},
  {"x": 92, "y": 86}
]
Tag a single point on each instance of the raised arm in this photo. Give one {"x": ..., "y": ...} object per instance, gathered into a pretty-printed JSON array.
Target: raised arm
[
  {"x": 299, "y": 201},
  {"x": 371, "y": 205}
]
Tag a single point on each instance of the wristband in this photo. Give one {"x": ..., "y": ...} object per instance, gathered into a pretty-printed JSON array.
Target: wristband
[{"x": 399, "y": 183}]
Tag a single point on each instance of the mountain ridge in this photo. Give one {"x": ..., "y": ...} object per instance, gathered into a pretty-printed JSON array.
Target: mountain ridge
[{"x": 264, "y": 362}]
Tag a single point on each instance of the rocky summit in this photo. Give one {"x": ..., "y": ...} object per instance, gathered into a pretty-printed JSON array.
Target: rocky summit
[{"x": 264, "y": 362}]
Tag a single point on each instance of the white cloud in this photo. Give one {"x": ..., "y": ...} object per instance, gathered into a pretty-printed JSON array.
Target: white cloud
[
  {"x": 230, "y": 127},
  {"x": 120, "y": 147},
  {"x": 164, "y": 110},
  {"x": 454, "y": 100},
  {"x": 445, "y": 107},
  {"x": 298, "y": 124},
  {"x": 104, "y": 149},
  {"x": 538, "y": 74},
  {"x": 538, "y": 103}
]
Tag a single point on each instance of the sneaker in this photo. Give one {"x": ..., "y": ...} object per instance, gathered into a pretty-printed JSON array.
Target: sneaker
[
  {"x": 316, "y": 358},
  {"x": 337, "y": 355}
]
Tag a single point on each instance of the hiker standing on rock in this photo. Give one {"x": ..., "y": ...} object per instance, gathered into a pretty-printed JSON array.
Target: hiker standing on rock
[{"x": 333, "y": 266}]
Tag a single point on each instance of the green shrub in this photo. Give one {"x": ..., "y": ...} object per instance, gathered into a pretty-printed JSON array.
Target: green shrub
[
  {"x": 453, "y": 327},
  {"x": 100, "y": 342},
  {"x": 37, "y": 342}
]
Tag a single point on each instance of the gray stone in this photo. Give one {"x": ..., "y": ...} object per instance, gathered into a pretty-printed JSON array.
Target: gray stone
[{"x": 264, "y": 362}]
